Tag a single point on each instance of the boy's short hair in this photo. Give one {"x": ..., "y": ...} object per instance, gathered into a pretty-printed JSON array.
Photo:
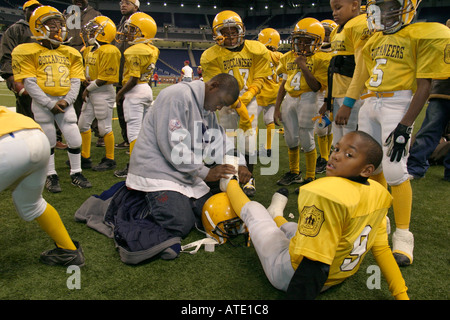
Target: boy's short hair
[{"x": 374, "y": 153}]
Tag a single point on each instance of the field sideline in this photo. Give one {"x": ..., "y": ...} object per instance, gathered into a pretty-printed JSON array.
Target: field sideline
[{"x": 230, "y": 273}]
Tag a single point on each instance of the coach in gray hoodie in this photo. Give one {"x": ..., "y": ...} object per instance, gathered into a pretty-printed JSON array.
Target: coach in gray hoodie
[{"x": 179, "y": 135}]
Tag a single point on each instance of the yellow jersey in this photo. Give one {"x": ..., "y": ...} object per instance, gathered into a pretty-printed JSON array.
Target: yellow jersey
[
  {"x": 296, "y": 84},
  {"x": 102, "y": 63},
  {"x": 140, "y": 60},
  {"x": 395, "y": 61},
  {"x": 53, "y": 68},
  {"x": 246, "y": 65},
  {"x": 344, "y": 41},
  {"x": 339, "y": 222},
  {"x": 269, "y": 91},
  {"x": 11, "y": 122}
]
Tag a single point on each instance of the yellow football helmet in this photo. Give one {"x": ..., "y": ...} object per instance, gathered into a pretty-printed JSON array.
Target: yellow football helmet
[
  {"x": 100, "y": 28},
  {"x": 270, "y": 38},
  {"x": 390, "y": 15},
  {"x": 329, "y": 26},
  {"x": 307, "y": 36},
  {"x": 226, "y": 20},
  {"x": 41, "y": 31},
  {"x": 219, "y": 219},
  {"x": 139, "y": 28}
]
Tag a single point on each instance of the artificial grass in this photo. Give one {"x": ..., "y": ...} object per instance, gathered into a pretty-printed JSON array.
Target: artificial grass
[{"x": 229, "y": 273}]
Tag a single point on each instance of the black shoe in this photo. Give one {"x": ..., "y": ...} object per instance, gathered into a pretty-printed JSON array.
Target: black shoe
[
  {"x": 123, "y": 145},
  {"x": 290, "y": 178},
  {"x": 80, "y": 181},
  {"x": 52, "y": 184},
  {"x": 121, "y": 173},
  {"x": 63, "y": 257},
  {"x": 321, "y": 165},
  {"x": 250, "y": 188},
  {"x": 105, "y": 164}
]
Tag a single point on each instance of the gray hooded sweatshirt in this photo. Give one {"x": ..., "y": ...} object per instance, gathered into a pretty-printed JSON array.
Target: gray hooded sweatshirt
[{"x": 178, "y": 136}]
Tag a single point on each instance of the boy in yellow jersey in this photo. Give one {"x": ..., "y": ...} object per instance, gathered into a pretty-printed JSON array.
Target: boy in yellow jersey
[
  {"x": 102, "y": 61},
  {"x": 304, "y": 71},
  {"x": 51, "y": 73},
  {"x": 249, "y": 62},
  {"x": 324, "y": 133},
  {"x": 140, "y": 60},
  {"x": 400, "y": 60},
  {"x": 341, "y": 217},
  {"x": 268, "y": 95},
  {"x": 25, "y": 152},
  {"x": 344, "y": 90}
]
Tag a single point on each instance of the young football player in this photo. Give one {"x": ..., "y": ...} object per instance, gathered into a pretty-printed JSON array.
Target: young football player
[
  {"x": 140, "y": 60},
  {"x": 344, "y": 89},
  {"x": 51, "y": 73},
  {"x": 102, "y": 60},
  {"x": 25, "y": 152},
  {"x": 268, "y": 95},
  {"x": 400, "y": 60},
  {"x": 304, "y": 71},
  {"x": 249, "y": 62},
  {"x": 341, "y": 217}
]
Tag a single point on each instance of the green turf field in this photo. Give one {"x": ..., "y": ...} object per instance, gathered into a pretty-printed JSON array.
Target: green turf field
[{"x": 229, "y": 273}]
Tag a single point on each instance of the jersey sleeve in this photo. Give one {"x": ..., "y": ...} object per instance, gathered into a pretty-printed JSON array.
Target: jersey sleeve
[
  {"x": 433, "y": 51},
  {"x": 23, "y": 63},
  {"x": 209, "y": 64}
]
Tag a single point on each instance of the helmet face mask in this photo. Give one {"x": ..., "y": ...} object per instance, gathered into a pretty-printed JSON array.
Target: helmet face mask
[
  {"x": 390, "y": 15},
  {"x": 304, "y": 45}
]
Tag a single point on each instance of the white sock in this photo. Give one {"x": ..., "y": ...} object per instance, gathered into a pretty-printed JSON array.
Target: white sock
[{"x": 277, "y": 205}]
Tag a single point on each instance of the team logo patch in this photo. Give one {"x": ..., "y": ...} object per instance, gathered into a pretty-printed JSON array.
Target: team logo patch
[
  {"x": 447, "y": 54},
  {"x": 174, "y": 124},
  {"x": 311, "y": 220}
]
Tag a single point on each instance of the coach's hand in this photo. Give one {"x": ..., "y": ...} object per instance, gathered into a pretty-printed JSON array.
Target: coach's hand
[
  {"x": 397, "y": 142},
  {"x": 220, "y": 171}
]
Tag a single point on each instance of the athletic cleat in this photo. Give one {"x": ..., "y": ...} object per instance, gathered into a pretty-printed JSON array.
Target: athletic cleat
[
  {"x": 60, "y": 145},
  {"x": 80, "y": 181},
  {"x": 52, "y": 183},
  {"x": 289, "y": 178},
  {"x": 278, "y": 203},
  {"x": 121, "y": 173},
  {"x": 105, "y": 164},
  {"x": 63, "y": 257},
  {"x": 122, "y": 145},
  {"x": 321, "y": 165},
  {"x": 402, "y": 247},
  {"x": 249, "y": 188}
]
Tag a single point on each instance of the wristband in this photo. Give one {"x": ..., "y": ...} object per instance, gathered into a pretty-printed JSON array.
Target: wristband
[
  {"x": 349, "y": 102},
  {"x": 92, "y": 86},
  {"x": 21, "y": 92}
]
